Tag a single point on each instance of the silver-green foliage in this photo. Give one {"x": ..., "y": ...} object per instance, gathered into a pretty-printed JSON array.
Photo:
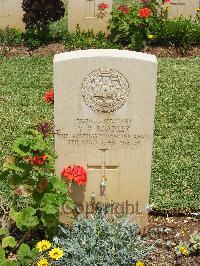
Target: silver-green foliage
[
  {"x": 195, "y": 241},
  {"x": 101, "y": 241}
]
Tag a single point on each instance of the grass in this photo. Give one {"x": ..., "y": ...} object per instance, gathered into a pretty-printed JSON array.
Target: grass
[{"x": 175, "y": 181}]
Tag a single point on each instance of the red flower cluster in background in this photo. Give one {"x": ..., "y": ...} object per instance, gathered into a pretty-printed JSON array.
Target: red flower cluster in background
[
  {"x": 75, "y": 173},
  {"x": 38, "y": 160},
  {"x": 124, "y": 9},
  {"x": 103, "y": 6},
  {"x": 144, "y": 12},
  {"x": 166, "y": 1},
  {"x": 49, "y": 96}
]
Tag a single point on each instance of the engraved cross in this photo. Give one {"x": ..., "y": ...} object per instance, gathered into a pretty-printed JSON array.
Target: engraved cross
[
  {"x": 103, "y": 167},
  {"x": 90, "y": 8}
]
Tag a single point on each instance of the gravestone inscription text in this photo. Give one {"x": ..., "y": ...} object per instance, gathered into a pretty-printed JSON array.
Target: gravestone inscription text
[{"x": 102, "y": 132}]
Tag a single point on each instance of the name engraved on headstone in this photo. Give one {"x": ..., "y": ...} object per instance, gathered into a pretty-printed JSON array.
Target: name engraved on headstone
[{"x": 102, "y": 132}]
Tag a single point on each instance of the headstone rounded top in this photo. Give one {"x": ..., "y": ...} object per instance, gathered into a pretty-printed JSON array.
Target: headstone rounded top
[
  {"x": 105, "y": 90},
  {"x": 113, "y": 53}
]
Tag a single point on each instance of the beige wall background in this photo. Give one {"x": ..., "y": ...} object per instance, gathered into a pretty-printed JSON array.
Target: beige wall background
[
  {"x": 11, "y": 12},
  {"x": 185, "y": 8}
]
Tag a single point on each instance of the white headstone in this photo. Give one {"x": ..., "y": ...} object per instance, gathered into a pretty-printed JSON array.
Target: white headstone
[
  {"x": 11, "y": 14},
  {"x": 185, "y": 8},
  {"x": 85, "y": 13},
  {"x": 104, "y": 121}
]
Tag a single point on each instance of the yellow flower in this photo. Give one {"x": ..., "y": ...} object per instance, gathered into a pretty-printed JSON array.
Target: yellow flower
[
  {"x": 150, "y": 36},
  {"x": 43, "y": 245},
  {"x": 198, "y": 9},
  {"x": 56, "y": 253},
  {"x": 139, "y": 263},
  {"x": 183, "y": 250},
  {"x": 42, "y": 262}
]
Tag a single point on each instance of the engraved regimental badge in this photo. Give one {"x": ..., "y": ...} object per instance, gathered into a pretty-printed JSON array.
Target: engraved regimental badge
[{"x": 105, "y": 90}]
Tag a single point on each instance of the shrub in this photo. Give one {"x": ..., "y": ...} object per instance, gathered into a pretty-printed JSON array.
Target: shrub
[
  {"x": 181, "y": 32},
  {"x": 131, "y": 20},
  {"x": 58, "y": 29},
  {"x": 10, "y": 37},
  {"x": 30, "y": 173},
  {"x": 101, "y": 241},
  {"x": 87, "y": 39},
  {"x": 38, "y": 14},
  {"x": 34, "y": 39}
]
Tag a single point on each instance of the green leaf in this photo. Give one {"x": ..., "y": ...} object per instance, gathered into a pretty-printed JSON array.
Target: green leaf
[
  {"x": 50, "y": 222},
  {"x": 12, "y": 166},
  {"x": 23, "y": 251},
  {"x": 3, "y": 231},
  {"x": 59, "y": 185},
  {"x": 10, "y": 263},
  {"x": 25, "y": 255},
  {"x": 61, "y": 199},
  {"x": 35, "y": 254},
  {"x": 4, "y": 175},
  {"x": 49, "y": 204},
  {"x": 69, "y": 203},
  {"x": 9, "y": 241},
  {"x": 25, "y": 219},
  {"x": 37, "y": 197},
  {"x": 21, "y": 146},
  {"x": 2, "y": 255},
  {"x": 13, "y": 214}
]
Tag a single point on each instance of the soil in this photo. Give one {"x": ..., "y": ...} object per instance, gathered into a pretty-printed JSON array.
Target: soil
[
  {"x": 175, "y": 229},
  {"x": 172, "y": 51},
  {"x": 56, "y": 48},
  {"x": 160, "y": 231}
]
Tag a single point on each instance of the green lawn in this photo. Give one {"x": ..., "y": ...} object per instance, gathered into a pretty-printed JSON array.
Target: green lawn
[{"x": 175, "y": 181}]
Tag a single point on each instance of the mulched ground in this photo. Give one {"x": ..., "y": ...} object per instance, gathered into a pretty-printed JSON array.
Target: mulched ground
[
  {"x": 56, "y": 48},
  {"x": 163, "y": 229}
]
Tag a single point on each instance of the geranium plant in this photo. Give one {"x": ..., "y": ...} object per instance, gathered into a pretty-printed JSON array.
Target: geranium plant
[
  {"x": 49, "y": 96},
  {"x": 30, "y": 173},
  {"x": 131, "y": 21},
  {"x": 75, "y": 173},
  {"x": 102, "y": 10}
]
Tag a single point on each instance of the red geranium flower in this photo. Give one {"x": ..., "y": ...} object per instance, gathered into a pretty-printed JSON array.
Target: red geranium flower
[
  {"x": 166, "y": 1},
  {"x": 38, "y": 160},
  {"x": 75, "y": 173},
  {"x": 103, "y": 6},
  {"x": 124, "y": 9},
  {"x": 49, "y": 96},
  {"x": 144, "y": 12}
]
